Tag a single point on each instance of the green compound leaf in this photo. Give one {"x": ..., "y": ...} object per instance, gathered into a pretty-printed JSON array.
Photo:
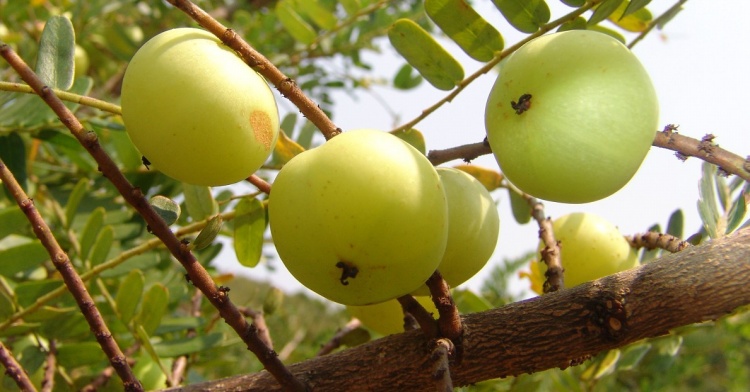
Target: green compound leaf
[
  {"x": 13, "y": 154},
  {"x": 601, "y": 366},
  {"x": 519, "y": 206},
  {"x": 469, "y": 302},
  {"x": 55, "y": 63},
  {"x": 199, "y": 201},
  {"x": 129, "y": 295},
  {"x": 707, "y": 204},
  {"x": 737, "y": 213},
  {"x": 604, "y": 10},
  {"x": 634, "y": 6},
  {"x": 12, "y": 220},
  {"x": 466, "y": 27},
  {"x": 208, "y": 234},
  {"x": 414, "y": 138},
  {"x": 317, "y": 12},
  {"x": 676, "y": 224},
  {"x": 405, "y": 79},
  {"x": 91, "y": 230},
  {"x": 418, "y": 47},
  {"x": 153, "y": 307},
  {"x": 524, "y": 15},
  {"x": 185, "y": 346},
  {"x": 574, "y": 3},
  {"x": 102, "y": 246},
  {"x": 249, "y": 226},
  {"x": 293, "y": 23},
  {"x": 79, "y": 190},
  {"x": 632, "y": 355},
  {"x": 351, "y": 6},
  {"x": 22, "y": 257},
  {"x": 578, "y": 23},
  {"x": 166, "y": 208}
]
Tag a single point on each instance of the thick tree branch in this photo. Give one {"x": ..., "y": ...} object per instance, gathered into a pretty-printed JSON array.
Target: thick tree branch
[{"x": 701, "y": 283}]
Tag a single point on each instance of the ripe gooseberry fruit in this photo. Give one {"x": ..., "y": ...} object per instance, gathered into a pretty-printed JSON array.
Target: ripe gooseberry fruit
[
  {"x": 473, "y": 227},
  {"x": 590, "y": 248},
  {"x": 571, "y": 116},
  {"x": 361, "y": 219},
  {"x": 196, "y": 110},
  {"x": 387, "y": 318}
]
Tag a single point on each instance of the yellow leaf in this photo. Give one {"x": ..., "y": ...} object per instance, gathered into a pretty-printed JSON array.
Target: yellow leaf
[
  {"x": 286, "y": 148},
  {"x": 489, "y": 178},
  {"x": 635, "y": 22}
]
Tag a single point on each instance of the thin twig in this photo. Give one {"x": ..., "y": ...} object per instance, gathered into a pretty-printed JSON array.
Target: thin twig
[
  {"x": 492, "y": 63},
  {"x": 335, "y": 341},
  {"x": 551, "y": 252},
  {"x": 652, "y": 240},
  {"x": 135, "y": 197},
  {"x": 72, "y": 281},
  {"x": 441, "y": 372},
  {"x": 179, "y": 367},
  {"x": 466, "y": 153},
  {"x": 260, "y": 183},
  {"x": 704, "y": 149},
  {"x": 65, "y": 96},
  {"x": 428, "y": 324},
  {"x": 665, "y": 15},
  {"x": 259, "y": 321},
  {"x": 48, "y": 382},
  {"x": 286, "y": 86},
  {"x": 105, "y": 375},
  {"x": 14, "y": 370}
]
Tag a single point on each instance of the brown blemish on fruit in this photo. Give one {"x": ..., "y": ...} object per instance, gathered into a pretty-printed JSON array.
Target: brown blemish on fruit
[
  {"x": 261, "y": 124},
  {"x": 348, "y": 270}
]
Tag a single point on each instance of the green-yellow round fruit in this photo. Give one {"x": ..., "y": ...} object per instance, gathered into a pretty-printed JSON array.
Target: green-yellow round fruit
[
  {"x": 81, "y": 61},
  {"x": 387, "y": 318},
  {"x": 196, "y": 111},
  {"x": 361, "y": 219},
  {"x": 473, "y": 227},
  {"x": 590, "y": 248},
  {"x": 571, "y": 116}
]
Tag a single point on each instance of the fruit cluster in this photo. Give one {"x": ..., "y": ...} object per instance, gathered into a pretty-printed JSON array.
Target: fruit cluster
[{"x": 365, "y": 218}]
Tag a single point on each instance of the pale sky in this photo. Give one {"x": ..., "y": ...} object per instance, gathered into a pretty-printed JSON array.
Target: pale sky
[{"x": 699, "y": 66}]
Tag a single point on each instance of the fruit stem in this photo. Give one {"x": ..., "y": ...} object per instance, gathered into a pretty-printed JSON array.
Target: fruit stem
[
  {"x": 551, "y": 252},
  {"x": 450, "y": 319},
  {"x": 424, "y": 318}
]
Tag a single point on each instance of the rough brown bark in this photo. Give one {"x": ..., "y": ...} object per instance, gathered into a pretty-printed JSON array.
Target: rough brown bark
[{"x": 559, "y": 329}]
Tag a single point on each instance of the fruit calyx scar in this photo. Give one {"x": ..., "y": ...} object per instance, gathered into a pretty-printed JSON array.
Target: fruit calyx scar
[{"x": 348, "y": 270}]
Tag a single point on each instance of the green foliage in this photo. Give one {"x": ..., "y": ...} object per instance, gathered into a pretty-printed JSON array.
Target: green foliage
[{"x": 142, "y": 293}]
